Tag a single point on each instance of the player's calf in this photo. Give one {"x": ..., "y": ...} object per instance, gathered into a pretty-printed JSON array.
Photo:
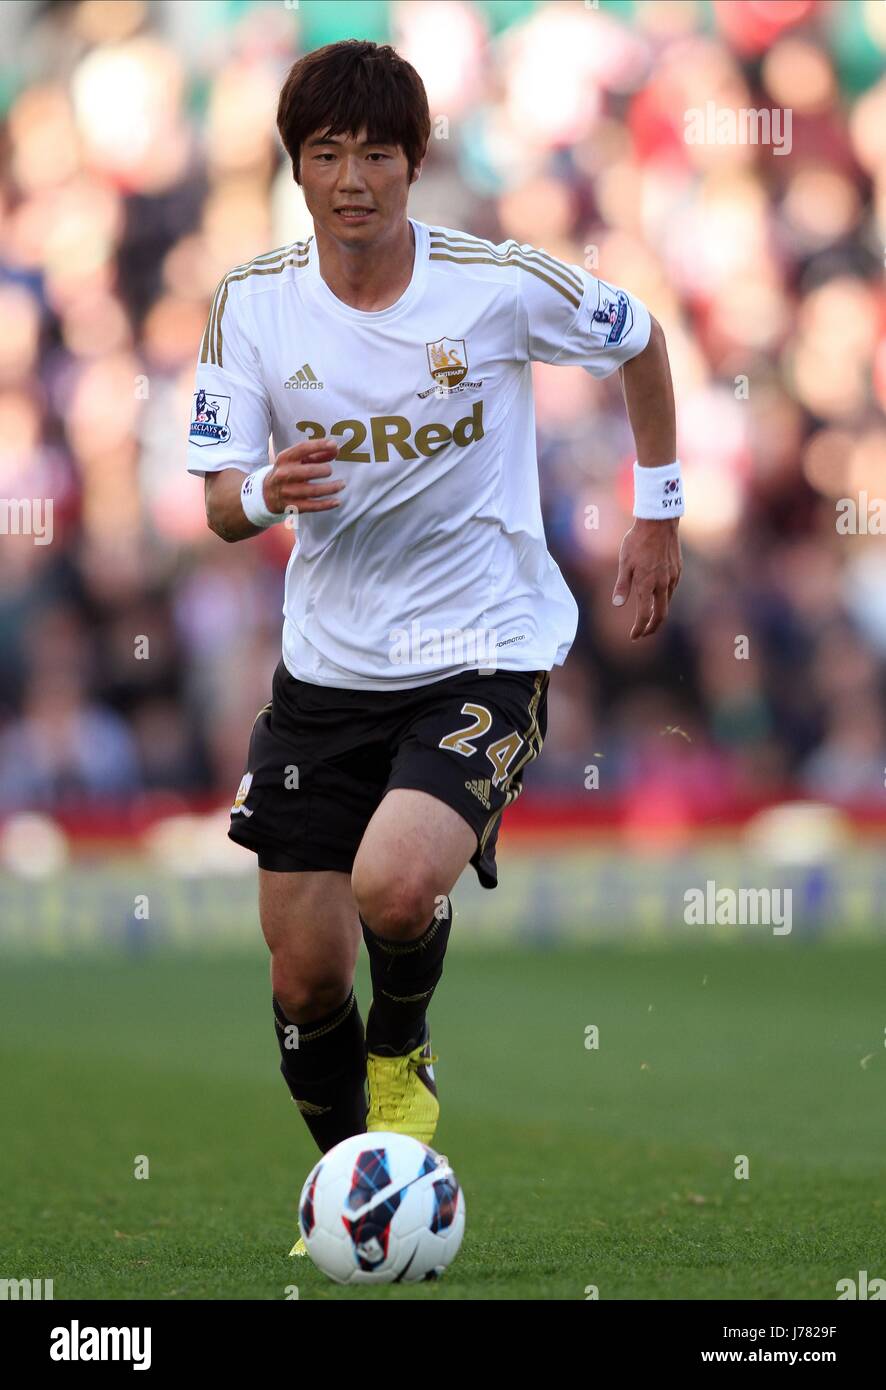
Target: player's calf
[
  {"x": 323, "y": 1065},
  {"x": 399, "y": 1063},
  {"x": 310, "y": 924},
  {"x": 405, "y": 972}
]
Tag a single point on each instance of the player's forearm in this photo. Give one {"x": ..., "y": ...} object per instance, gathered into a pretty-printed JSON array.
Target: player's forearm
[
  {"x": 649, "y": 398},
  {"x": 224, "y": 509}
]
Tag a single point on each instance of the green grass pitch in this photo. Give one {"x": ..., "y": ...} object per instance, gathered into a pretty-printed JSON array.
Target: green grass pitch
[{"x": 611, "y": 1167}]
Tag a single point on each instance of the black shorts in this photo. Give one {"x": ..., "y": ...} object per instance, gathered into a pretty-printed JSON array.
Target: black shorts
[{"x": 321, "y": 759}]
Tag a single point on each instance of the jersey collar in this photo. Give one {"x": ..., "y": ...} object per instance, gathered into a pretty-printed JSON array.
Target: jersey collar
[{"x": 412, "y": 292}]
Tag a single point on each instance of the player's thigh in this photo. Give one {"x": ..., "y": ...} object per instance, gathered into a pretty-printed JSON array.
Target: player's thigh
[
  {"x": 413, "y": 851},
  {"x": 310, "y": 923}
]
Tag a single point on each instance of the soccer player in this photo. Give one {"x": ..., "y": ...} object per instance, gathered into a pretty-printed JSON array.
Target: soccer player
[{"x": 391, "y": 362}]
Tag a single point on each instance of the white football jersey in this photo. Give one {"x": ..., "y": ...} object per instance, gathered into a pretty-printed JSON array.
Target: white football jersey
[{"x": 436, "y": 560}]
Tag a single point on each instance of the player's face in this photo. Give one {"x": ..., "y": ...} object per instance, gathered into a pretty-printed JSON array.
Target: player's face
[{"x": 355, "y": 191}]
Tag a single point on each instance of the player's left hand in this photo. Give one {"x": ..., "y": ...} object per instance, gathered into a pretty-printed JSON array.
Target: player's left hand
[{"x": 649, "y": 564}]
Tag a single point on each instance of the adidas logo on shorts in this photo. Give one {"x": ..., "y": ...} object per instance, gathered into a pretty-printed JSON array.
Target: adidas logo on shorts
[{"x": 480, "y": 787}]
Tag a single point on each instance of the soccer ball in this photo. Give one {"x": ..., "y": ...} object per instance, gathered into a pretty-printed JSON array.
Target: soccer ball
[{"x": 382, "y": 1209}]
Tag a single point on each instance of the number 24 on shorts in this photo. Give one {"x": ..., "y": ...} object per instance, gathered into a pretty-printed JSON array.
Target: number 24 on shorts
[{"x": 501, "y": 753}]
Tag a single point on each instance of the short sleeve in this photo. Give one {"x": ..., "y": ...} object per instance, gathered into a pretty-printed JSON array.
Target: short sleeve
[
  {"x": 230, "y": 409},
  {"x": 570, "y": 318}
]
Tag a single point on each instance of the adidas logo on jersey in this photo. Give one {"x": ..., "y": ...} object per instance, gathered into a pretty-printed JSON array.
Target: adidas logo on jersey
[
  {"x": 303, "y": 380},
  {"x": 480, "y": 787}
]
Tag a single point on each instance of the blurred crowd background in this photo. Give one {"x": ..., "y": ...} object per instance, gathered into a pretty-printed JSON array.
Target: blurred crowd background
[{"x": 140, "y": 161}]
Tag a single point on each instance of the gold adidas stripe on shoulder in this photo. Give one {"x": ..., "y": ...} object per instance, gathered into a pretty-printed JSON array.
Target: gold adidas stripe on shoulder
[
  {"x": 574, "y": 299},
  {"x": 464, "y": 241},
  {"x": 272, "y": 263},
  {"x": 538, "y": 263},
  {"x": 208, "y": 342}
]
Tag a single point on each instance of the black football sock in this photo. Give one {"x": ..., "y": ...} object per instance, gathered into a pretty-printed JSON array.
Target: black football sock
[
  {"x": 326, "y": 1072},
  {"x": 404, "y": 977}
]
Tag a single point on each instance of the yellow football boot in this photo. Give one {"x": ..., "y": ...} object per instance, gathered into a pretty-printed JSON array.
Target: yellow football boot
[
  {"x": 299, "y": 1248},
  {"x": 403, "y": 1093}
]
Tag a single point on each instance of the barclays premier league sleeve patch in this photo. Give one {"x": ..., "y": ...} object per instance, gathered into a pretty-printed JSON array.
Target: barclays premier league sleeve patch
[
  {"x": 209, "y": 418},
  {"x": 613, "y": 316}
]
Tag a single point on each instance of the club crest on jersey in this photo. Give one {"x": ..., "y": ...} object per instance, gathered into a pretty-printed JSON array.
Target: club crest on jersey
[
  {"x": 613, "y": 315},
  {"x": 448, "y": 361},
  {"x": 209, "y": 419}
]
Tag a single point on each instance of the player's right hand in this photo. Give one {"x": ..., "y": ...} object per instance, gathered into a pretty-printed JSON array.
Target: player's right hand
[{"x": 290, "y": 482}]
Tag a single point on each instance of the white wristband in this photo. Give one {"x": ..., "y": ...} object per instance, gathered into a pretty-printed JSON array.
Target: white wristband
[
  {"x": 252, "y": 497},
  {"x": 658, "y": 492}
]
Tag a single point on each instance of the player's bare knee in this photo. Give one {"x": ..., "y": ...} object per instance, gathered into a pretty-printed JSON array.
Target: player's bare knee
[
  {"x": 305, "y": 995},
  {"x": 398, "y": 909}
]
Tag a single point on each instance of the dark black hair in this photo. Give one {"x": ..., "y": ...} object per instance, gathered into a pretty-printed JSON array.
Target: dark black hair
[{"x": 345, "y": 86}]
